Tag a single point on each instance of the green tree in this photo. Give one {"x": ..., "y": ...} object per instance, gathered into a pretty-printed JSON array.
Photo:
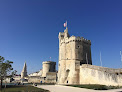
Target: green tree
[
  {"x": 13, "y": 73},
  {"x": 5, "y": 68}
]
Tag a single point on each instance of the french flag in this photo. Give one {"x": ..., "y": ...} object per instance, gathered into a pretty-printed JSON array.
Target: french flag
[{"x": 65, "y": 24}]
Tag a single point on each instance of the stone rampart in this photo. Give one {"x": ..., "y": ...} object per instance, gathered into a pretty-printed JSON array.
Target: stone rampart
[
  {"x": 91, "y": 74},
  {"x": 36, "y": 79},
  {"x": 104, "y": 69},
  {"x": 48, "y": 66}
]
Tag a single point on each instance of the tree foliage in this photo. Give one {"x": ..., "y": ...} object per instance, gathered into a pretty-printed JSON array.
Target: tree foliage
[
  {"x": 5, "y": 68},
  {"x": 13, "y": 73}
]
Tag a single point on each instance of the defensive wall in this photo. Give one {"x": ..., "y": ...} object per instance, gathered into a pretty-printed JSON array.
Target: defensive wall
[
  {"x": 47, "y": 75},
  {"x": 91, "y": 74},
  {"x": 48, "y": 66}
]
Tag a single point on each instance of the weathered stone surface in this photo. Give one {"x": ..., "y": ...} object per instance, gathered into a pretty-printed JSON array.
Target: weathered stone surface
[
  {"x": 48, "y": 74},
  {"x": 91, "y": 74},
  {"x": 72, "y": 54},
  {"x": 75, "y": 64},
  {"x": 48, "y": 66}
]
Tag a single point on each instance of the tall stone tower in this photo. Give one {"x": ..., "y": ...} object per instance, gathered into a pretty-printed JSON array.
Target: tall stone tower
[
  {"x": 24, "y": 71},
  {"x": 73, "y": 52}
]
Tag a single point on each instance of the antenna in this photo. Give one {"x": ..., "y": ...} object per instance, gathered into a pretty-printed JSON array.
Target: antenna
[
  {"x": 100, "y": 58},
  {"x": 86, "y": 58},
  {"x": 121, "y": 55}
]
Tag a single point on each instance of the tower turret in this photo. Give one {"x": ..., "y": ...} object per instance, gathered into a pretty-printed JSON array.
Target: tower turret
[
  {"x": 48, "y": 66},
  {"x": 66, "y": 33}
]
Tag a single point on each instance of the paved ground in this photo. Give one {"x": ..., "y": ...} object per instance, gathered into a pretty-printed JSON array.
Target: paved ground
[{"x": 59, "y": 88}]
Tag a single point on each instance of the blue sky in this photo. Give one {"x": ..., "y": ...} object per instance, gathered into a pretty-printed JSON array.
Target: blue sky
[{"x": 29, "y": 30}]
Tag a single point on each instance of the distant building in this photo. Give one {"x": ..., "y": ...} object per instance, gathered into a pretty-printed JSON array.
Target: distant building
[
  {"x": 24, "y": 71},
  {"x": 48, "y": 74},
  {"x": 48, "y": 66},
  {"x": 39, "y": 73}
]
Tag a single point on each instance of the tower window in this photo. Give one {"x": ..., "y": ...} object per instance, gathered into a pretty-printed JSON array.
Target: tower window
[
  {"x": 80, "y": 63},
  {"x": 78, "y": 46}
]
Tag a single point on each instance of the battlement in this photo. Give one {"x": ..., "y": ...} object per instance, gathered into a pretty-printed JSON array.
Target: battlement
[
  {"x": 61, "y": 34},
  {"x": 49, "y": 62},
  {"x": 104, "y": 69},
  {"x": 75, "y": 39}
]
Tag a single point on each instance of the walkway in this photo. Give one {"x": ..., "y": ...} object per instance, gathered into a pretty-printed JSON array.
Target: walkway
[{"x": 59, "y": 88}]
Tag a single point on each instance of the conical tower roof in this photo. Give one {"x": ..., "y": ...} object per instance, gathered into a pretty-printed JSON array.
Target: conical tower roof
[
  {"x": 24, "y": 71},
  {"x": 25, "y": 67}
]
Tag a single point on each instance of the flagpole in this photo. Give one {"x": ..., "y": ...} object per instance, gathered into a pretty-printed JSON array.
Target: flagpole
[
  {"x": 86, "y": 59},
  {"x": 66, "y": 23},
  {"x": 121, "y": 56}
]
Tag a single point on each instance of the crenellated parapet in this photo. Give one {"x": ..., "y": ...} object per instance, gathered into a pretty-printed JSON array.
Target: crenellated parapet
[
  {"x": 75, "y": 39},
  {"x": 61, "y": 35}
]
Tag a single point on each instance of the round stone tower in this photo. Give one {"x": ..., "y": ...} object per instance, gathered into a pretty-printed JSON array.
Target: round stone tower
[{"x": 48, "y": 66}]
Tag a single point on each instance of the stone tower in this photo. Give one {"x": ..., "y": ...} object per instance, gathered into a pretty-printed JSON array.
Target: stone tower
[
  {"x": 73, "y": 52},
  {"x": 48, "y": 66},
  {"x": 24, "y": 71}
]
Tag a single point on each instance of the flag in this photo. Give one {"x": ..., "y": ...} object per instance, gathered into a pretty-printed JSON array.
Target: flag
[{"x": 65, "y": 24}]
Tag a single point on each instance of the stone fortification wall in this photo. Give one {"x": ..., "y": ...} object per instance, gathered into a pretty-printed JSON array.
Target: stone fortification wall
[
  {"x": 46, "y": 75},
  {"x": 51, "y": 77},
  {"x": 105, "y": 69},
  {"x": 72, "y": 54},
  {"x": 91, "y": 74},
  {"x": 36, "y": 79},
  {"x": 39, "y": 73},
  {"x": 48, "y": 66}
]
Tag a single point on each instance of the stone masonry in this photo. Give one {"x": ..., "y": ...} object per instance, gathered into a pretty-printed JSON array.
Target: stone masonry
[
  {"x": 72, "y": 53},
  {"x": 75, "y": 63}
]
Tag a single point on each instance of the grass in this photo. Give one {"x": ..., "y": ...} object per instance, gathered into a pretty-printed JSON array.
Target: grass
[
  {"x": 96, "y": 86},
  {"x": 21, "y": 88}
]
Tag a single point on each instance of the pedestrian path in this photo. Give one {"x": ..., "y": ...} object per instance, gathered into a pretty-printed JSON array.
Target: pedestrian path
[{"x": 60, "y": 88}]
